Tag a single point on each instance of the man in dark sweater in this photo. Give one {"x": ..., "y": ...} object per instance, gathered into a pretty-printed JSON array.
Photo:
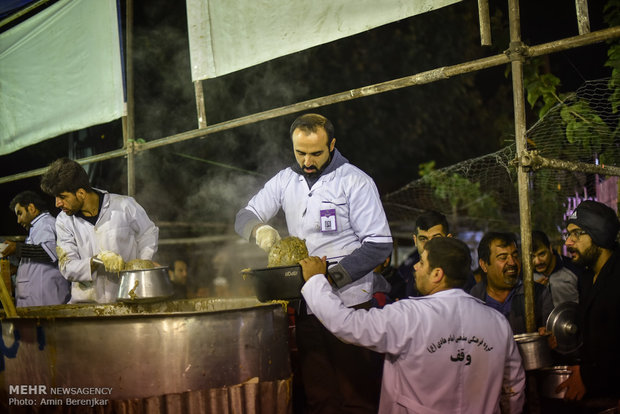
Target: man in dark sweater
[
  {"x": 498, "y": 257},
  {"x": 591, "y": 242}
]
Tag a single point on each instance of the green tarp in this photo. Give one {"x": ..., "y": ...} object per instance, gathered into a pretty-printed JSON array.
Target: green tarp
[{"x": 60, "y": 71}]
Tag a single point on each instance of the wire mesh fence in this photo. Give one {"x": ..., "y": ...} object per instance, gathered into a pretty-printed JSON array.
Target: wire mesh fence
[{"x": 481, "y": 194}]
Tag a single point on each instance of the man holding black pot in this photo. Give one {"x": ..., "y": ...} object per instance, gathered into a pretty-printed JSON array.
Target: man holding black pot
[{"x": 335, "y": 207}]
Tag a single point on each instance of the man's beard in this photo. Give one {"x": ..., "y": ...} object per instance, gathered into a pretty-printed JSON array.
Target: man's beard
[
  {"x": 70, "y": 212},
  {"x": 589, "y": 257},
  {"x": 312, "y": 174},
  {"x": 316, "y": 172}
]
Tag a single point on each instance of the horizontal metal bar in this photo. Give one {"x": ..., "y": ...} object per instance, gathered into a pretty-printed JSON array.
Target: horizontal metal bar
[{"x": 433, "y": 75}]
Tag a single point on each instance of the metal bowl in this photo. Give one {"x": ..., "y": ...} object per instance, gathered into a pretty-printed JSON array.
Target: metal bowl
[
  {"x": 534, "y": 350},
  {"x": 148, "y": 285},
  {"x": 550, "y": 378}
]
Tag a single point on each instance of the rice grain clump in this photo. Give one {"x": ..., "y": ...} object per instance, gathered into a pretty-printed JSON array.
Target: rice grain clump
[
  {"x": 139, "y": 264},
  {"x": 287, "y": 252}
]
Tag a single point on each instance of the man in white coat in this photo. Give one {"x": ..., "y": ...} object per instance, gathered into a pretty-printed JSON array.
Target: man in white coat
[
  {"x": 95, "y": 224},
  {"x": 446, "y": 352},
  {"x": 335, "y": 207},
  {"x": 38, "y": 281}
]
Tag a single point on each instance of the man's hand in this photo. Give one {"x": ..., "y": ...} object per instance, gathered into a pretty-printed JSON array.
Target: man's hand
[
  {"x": 9, "y": 249},
  {"x": 575, "y": 389},
  {"x": 266, "y": 236},
  {"x": 312, "y": 266},
  {"x": 113, "y": 262},
  {"x": 551, "y": 340}
]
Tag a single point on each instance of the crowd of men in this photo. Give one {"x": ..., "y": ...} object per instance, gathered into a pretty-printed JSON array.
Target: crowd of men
[{"x": 435, "y": 339}]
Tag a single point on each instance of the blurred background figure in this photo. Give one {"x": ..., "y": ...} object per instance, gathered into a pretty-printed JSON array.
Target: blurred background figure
[
  {"x": 479, "y": 275},
  {"x": 554, "y": 270},
  {"x": 178, "y": 277},
  {"x": 221, "y": 288}
]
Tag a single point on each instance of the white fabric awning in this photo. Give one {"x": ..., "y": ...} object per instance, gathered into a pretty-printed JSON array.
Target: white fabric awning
[
  {"x": 229, "y": 35},
  {"x": 60, "y": 71}
]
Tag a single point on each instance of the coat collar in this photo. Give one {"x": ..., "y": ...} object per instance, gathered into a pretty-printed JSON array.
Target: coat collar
[{"x": 336, "y": 162}]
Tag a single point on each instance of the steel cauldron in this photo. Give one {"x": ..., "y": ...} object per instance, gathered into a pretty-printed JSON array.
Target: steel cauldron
[{"x": 145, "y": 350}]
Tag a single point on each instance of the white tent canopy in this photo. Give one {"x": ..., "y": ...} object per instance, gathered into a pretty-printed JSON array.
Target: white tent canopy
[
  {"x": 229, "y": 35},
  {"x": 60, "y": 71}
]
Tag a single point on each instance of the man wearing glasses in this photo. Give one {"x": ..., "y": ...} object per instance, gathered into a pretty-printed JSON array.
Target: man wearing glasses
[{"x": 591, "y": 242}]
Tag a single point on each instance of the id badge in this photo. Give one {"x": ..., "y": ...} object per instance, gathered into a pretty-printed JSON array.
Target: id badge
[{"x": 328, "y": 220}]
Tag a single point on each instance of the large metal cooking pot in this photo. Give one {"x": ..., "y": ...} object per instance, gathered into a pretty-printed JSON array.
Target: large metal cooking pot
[
  {"x": 534, "y": 350},
  {"x": 145, "y": 285},
  {"x": 550, "y": 378},
  {"x": 140, "y": 351}
]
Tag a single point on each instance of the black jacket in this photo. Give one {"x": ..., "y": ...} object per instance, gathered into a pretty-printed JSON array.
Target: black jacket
[
  {"x": 542, "y": 305},
  {"x": 600, "y": 318}
]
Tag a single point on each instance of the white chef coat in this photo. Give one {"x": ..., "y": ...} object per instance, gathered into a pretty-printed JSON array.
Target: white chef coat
[
  {"x": 347, "y": 191},
  {"x": 39, "y": 283},
  {"x": 445, "y": 353},
  {"x": 122, "y": 227}
]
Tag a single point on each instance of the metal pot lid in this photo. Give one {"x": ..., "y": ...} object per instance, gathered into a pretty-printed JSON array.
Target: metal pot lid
[{"x": 563, "y": 323}]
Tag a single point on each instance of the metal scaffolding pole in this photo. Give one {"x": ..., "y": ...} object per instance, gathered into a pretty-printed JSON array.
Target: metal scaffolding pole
[
  {"x": 422, "y": 78},
  {"x": 533, "y": 160},
  {"x": 484, "y": 18},
  {"x": 200, "y": 104},
  {"x": 583, "y": 16},
  {"x": 517, "y": 57},
  {"x": 129, "y": 136}
]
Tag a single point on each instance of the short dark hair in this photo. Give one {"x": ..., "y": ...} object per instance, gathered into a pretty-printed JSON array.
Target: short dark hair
[
  {"x": 452, "y": 256},
  {"x": 540, "y": 240},
  {"x": 63, "y": 175},
  {"x": 484, "y": 248},
  {"x": 174, "y": 264},
  {"x": 311, "y": 122},
  {"x": 429, "y": 219},
  {"x": 29, "y": 197}
]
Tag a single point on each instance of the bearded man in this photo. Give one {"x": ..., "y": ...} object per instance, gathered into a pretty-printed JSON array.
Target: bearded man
[
  {"x": 95, "y": 224},
  {"x": 335, "y": 207},
  {"x": 38, "y": 281},
  {"x": 591, "y": 241}
]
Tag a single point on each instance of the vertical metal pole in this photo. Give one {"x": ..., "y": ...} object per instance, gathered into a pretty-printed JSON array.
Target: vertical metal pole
[
  {"x": 583, "y": 17},
  {"x": 484, "y": 20},
  {"x": 130, "y": 134},
  {"x": 395, "y": 254},
  {"x": 200, "y": 104},
  {"x": 517, "y": 58}
]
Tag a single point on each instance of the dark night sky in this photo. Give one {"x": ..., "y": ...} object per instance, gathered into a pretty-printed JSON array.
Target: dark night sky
[{"x": 386, "y": 135}]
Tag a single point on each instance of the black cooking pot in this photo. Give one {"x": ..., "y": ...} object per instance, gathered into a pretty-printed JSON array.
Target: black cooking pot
[{"x": 276, "y": 283}]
